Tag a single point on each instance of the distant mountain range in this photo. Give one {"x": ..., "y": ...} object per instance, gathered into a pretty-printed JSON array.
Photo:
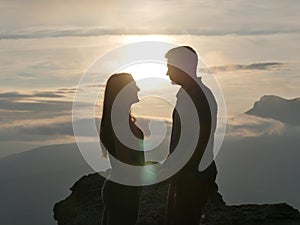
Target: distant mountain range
[
  {"x": 32, "y": 181},
  {"x": 271, "y": 106}
]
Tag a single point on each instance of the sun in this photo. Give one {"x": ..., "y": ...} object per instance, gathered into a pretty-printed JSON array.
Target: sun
[
  {"x": 142, "y": 70},
  {"x": 149, "y": 74}
]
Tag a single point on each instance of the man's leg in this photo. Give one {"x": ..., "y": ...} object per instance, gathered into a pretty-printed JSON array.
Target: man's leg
[
  {"x": 192, "y": 194},
  {"x": 170, "y": 204}
]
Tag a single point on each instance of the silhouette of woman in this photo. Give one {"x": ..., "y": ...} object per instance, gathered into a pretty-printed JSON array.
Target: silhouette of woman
[{"x": 121, "y": 202}]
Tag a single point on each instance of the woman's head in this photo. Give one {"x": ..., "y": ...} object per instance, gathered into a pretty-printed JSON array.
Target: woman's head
[
  {"x": 117, "y": 83},
  {"x": 121, "y": 90}
]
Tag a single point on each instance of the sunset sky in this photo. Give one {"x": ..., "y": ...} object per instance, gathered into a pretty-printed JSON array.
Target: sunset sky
[
  {"x": 45, "y": 47},
  {"x": 250, "y": 49}
]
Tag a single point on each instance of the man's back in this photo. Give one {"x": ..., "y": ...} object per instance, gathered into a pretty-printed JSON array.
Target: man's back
[{"x": 208, "y": 156}]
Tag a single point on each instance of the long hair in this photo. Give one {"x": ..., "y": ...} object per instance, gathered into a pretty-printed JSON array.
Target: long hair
[{"x": 114, "y": 85}]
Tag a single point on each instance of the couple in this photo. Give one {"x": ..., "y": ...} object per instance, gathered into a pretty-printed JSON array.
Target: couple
[{"x": 191, "y": 187}]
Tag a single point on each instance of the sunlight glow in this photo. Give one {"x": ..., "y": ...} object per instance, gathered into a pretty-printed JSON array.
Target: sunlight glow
[
  {"x": 148, "y": 75},
  {"x": 127, "y": 39}
]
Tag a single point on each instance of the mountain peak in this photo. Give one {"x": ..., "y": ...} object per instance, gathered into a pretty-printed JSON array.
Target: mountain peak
[
  {"x": 278, "y": 108},
  {"x": 272, "y": 97}
]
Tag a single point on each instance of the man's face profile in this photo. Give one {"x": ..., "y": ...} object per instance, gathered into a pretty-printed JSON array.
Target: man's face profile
[{"x": 174, "y": 74}]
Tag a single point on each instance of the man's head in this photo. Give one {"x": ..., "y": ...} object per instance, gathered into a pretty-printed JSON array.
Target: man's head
[{"x": 182, "y": 62}]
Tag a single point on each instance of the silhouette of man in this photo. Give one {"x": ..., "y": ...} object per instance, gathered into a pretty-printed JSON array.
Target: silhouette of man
[{"x": 191, "y": 187}]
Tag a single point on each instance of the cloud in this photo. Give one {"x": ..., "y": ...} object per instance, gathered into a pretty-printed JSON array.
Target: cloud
[
  {"x": 66, "y": 90},
  {"x": 46, "y": 129},
  {"x": 50, "y": 129},
  {"x": 9, "y": 95},
  {"x": 35, "y": 106},
  {"x": 18, "y": 95},
  {"x": 48, "y": 95},
  {"x": 59, "y": 32},
  {"x": 38, "y": 132},
  {"x": 43, "y": 115},
  {"x": 88, "y": 32},
  {"x": 253, "y": 126},
  {"x": 16, "y": 107},
  {"x": 237, "y": 67},
  {"x": 50, "y": 101},
  {"x": 60, "y": 18}
]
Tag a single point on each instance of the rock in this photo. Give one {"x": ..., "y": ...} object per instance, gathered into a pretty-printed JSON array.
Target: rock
[
  {"x": 84, "y": 206},
  {"x": 251, "y": 214},
  {"x": 271, "y": 106}
]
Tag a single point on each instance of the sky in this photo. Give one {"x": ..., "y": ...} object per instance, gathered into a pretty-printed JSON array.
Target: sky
[
  {"x": 46, "y": 47},
  {"x": 44, "y": 18}
]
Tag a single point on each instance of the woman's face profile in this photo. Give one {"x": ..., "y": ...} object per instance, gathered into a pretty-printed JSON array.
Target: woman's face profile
[
  {"x": 123, "y": 91},
  {"x": 132, "y": 93}
]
